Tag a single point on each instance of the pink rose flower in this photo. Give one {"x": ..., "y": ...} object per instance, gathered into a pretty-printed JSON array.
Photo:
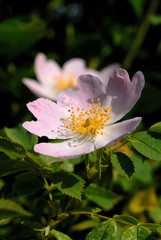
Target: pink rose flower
[
  {"x": 53, "y": 79},
  {"x": 86, "y": 116}
]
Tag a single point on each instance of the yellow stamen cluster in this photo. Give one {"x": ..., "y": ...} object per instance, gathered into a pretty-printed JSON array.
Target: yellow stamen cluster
[
  {"x": 65, "y": 81},
  {"x": 88, "y": 121}
]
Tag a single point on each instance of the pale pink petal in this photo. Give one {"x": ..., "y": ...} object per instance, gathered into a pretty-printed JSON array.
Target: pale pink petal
[
  {"x": 67, "y": 149},
  {"x": 43, "y": 109},
  {"x": 49, "y": 116},
  {"x": 88, "y": 87},
  {"x": 116, "y": 132},
  {"x": 46, "y": 70},
  {"x": 40, "y": 90},
  {"x": 122, "y": 94},
  {"x": 69, "y": 97},
  {"x": 48, "y": 128},
  {"x": 75, "y": 66},
  {"x": 106, "y": 73}
]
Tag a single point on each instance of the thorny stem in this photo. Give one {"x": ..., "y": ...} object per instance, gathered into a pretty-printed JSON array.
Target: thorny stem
[{"x": 144, "y": 27}]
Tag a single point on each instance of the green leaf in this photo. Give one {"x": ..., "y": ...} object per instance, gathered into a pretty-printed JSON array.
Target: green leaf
[
  {"x": 17, "y": 37},
  {"x": 152, "y": 226},
  {"x": 44, "y": 161},
  {"x": 139, "y": 233},
  {"x": 148, "y": 144},
  {"x": 11, "y": 148},
  {"x": 27, "y": 183},
  {"x": 81, "y": 226},
  {"x": 138, "y": 6},
  {"x": 10, "y": 209},
  {"x": 159, "y": 230},
  {"x": 107, "y": 230},
  {"x": 20, "y": 135},
  {"x": 123, "y": 164},
  {"x": 125, "y": 219},
  {"x": 143, "y": 169},
  {"x": 155, "y": 19},
  {"x": 68, "y": 183},
  {"x": 9, "y": 166},
  {"x": 155, "y": 214},
  {"x": 59, "y": 235},
  {"x": 156, "y": 127},
  {"x": 100, "y": 196}
]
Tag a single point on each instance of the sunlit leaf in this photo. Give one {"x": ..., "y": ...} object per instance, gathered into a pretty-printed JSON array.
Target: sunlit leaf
[
  {"x": 139, "y": 233},
  {"x": 107, "y": 230},
  {"x": 156, "y": 127},
  {"x": 151, "y": 226},
  {"x": 148, "y": 144},
  {"x": 20, "y": 135},
  {"x": 123, "y": 164},
  {"x": 125, "y": 219},
  {"x": 59, "y": 235},
  {"x": 143, "y": 170}
]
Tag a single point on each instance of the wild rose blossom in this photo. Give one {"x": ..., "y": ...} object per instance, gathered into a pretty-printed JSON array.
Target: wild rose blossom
[
  {"x": 86, "y": 116},
  {"x": 53, "y": 79}
]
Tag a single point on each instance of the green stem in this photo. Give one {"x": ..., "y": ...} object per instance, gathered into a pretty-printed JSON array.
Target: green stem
[
  {"x": 48, "y": 188},
  {"x": 100, "y": 216},
  {"x": 99, "y": 152},
  {"x": 144, "y": 27}
]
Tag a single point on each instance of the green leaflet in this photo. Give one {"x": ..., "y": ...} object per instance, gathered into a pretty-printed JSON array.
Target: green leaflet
[
  {"x": 22, "y": 136},
  {"x": 59, "y": 235},
  {"x": 27, "y": 183},
  {"x": 148, "y": 144},
  {"x": 10, "y": 209},
  {"x": 68, "y": 183},
  {"x": 102, "y": 197},
  {"x": 9, "y": 166},
  {"x": 156, "y": 127},
  {"x": 12, "y": 148},
  {"x": 107, "y": 230},
  {"x": 126, "y": 219},
  {"x": 137, "y": 233},
  {"x": 123, "y": 164}
]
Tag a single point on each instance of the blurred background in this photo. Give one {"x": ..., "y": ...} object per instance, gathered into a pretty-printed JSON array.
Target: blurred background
[{"x": 100, "y": 32}]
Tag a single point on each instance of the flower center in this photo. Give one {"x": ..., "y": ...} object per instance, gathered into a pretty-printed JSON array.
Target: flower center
[
  {"x": 88, "y": 121},
  {"x": 65, "y": 81}
]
